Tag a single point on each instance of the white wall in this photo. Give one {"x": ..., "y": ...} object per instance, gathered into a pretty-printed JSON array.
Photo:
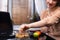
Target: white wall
[
  {"x": 3, "y": 5},
  {"x": 10, "y": 7},
  {"x": 31, "y": 8},
  {"x": 40, "y": 5}
]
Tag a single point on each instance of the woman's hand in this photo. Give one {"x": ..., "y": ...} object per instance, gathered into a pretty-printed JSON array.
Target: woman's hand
[{"x": 23, "y": 27}]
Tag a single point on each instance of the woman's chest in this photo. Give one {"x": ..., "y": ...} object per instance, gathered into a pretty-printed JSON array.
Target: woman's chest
[{"x": 48, "y": 14}]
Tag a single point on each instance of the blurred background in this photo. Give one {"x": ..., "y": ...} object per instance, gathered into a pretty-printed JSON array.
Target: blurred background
[{"x": 23, "y": 11}]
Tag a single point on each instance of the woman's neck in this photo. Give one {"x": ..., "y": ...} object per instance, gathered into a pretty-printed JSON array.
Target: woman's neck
[{"x": 52, "y": 9}]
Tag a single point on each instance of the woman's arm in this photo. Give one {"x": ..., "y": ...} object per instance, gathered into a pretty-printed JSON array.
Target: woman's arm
[{"x": 47, "y": 21}]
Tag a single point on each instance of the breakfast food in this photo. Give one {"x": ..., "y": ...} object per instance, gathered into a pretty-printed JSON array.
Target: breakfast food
[{"x": 21, "y": 35}]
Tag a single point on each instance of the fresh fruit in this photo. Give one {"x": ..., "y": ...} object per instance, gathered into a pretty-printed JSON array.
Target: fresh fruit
[{"x": 37, "y": 34}]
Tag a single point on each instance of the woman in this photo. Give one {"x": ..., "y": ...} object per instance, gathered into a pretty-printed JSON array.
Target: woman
[{"x": 50, "y": 18}]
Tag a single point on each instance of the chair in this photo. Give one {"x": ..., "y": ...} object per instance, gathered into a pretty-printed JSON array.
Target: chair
[{"x": 6, "y": 27}]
